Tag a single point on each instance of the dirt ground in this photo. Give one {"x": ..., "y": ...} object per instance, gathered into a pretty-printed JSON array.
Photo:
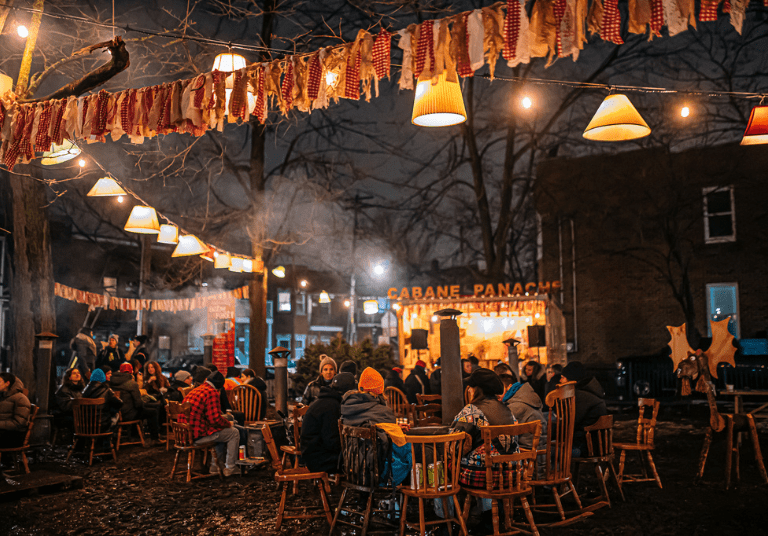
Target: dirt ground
[{"x": 136, "y": 496}]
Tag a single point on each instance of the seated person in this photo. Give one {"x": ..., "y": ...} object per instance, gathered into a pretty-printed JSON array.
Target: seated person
[
  {"x": 72, "y": 385},
  {"x": 533, "y": 373},
  {"x": 181, "y": 380},
  {"x": 366, "y": 405},
  {"x": 327, "y": 372},
  {"x": 417, "y": 382},
  {"x": 526, "y": 406},
  {"x": 249, "y": 377},
  {"x": 134, "y": 408},
  {"x": 155, "y": 381},
  {"x": 553, "y": 378},
  {"x": 15, "y": 409},
  {"x": 232, "y": 378},
  {"x": 320, "y": 442},
  {"x": 395, "y": 379},
  {"x": 209, "y": 426},
  {"x": 99, "y": 388},
  {"x": 589, "y": 403}
]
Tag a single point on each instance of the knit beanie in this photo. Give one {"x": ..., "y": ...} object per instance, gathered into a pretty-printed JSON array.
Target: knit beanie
[
  {"x": 487, "y": 380},
  {"x": 325, "y": 360},
  {"x": 421, "y": 364},
  {"x": 201, "y": 374},
  {"x": 126, "y": 367},
  {"x": 343, "y": 382},
  {"x": 371, "y": 382},
  {"x": 216, "y": 379},
  {"x": 348, "y": 366},
  {"x": 574, "y": 371},
  {"x": 98, "y": 376},
  {"x": 181, "y": 376}
]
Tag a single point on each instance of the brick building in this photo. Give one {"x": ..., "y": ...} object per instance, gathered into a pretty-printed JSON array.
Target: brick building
[{"x": 626, "y": 233}]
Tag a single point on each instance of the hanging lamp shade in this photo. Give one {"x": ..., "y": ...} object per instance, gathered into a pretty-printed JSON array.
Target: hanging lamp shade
[
  {"x": 104, "y": 187},
  {"x": 324, "y": 297},
  {"x": 370, "y": 307},
  {"x": 143, "y": 220},
  {"x": 438, "y": 105},
  {"x": 279, "y": 271},
  {"x": 222, "y": 260},
  {"x": 228, "y": 62},
  {"x": 248, "y": 265},
  {"x": 236, "y": 265},
  {"x": 189, "y": 245},
  {"x": 169, "y": 234},
  {"x": 616, "y": 120},
  {"x": 59, "y": 153},
  {"x": 757, "y": 127},
  {"x": 209, "y": 255}
]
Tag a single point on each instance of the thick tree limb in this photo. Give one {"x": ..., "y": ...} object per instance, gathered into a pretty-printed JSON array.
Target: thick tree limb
[{"x": 120, "y": 61}]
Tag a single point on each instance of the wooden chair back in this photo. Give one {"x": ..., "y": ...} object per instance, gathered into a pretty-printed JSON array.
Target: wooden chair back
[
  {"x": 246, "y": 399},
  {"x": 269, "y": 440},
  {"x": 397, "y": 402},
  {"x": 360, "y": 455},
  {"x": 298, "y": 418},
  {"x": 466, "y": 395},
  {"x": 87, "y": 413},
  {"x": 509, "y": 473},
  {"x": 32, "y": 414},
  {"x": 646, "y": 421},
  {"x": 182, "y": 434},
  {"x": 560, "y": 424},
  {"x": 231, "y": 397},
  {"x": 186, "y": 390},
  {"x": 428, "y": 399},
  {"x": 427, "y": 414},
  {"x": 174, "y": 409},
  {"x": 436, "y": 464},
  {"x": 600, "y": 439}
]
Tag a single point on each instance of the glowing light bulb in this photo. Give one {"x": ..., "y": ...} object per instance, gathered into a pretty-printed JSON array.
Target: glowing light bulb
[
  {"x": 303, "y": 283},
  {"x": 81, "y": 162},
  {"x": 119, "y": 198},
  {"x": 346, "y": 303},
  {"x": 396, "y": 307},
  {"x": 685, "y": 111},
  {"x": 526, "y": 102},
  {"x": 537, "y": 315},
  {"x": 434, "y": 319},
  {"x": 331, "y": 78},
  {"x": 378, "y": 269},
  {"x": 22, "y": 31}
]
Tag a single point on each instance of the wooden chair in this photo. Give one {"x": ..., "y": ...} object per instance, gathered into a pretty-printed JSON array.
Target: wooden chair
[
  {"x": 427, "y": 415},
  {"x": 440, "y": 457},
  {"x": 398, "y": 403},
  {"x": 295, "y": 449},
  {"x": 121, "y": 424},
  {"x": 359, "y": 444},
  {"x": 295, "y": 475},
  {"x": 600, "y": 454},
  {"x": 466, "y": 395},
  {"x": 20, "y": 453},
  {"x": 507, "y": 477},
  {"x": 186, "y": 390},
  {"x": 87, "y": 413},
  {"x": 246, "y": 399},
  {"x": 184, "y": 442},
  {"x": 231, "y": 397},
  {"x": 172, "y": 411},
  {"x": 428, "y": 399},
  {"x": 558, "y": 452},
  {"x": 643, "y": 444}
]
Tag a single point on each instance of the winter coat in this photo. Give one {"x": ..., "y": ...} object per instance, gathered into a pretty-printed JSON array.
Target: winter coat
[
  {"x": 590, "y": 406},
  {"x": 393, "y": 379},
  {"x": 110, "y": 357},
  {"x": 141, "y": 354},
  {"x": 85, "y": 350},
  {"x": 112, "y": 404},
  {"x": 359, "y": 408},
  {"x": 174, "y": 391},
  {"x": 435, "y": 382},
  {"x": 313, "y": 390},
  {"x": 259, "y": 383},
  {"x": 320, "y": 443},
  {"x": 537, "y": 379},
  {"x": 416, "y": 382},
  {"x": 65, "y": 395},
  {"x": 526, "y": 406},
  {"x": 14, "y": 408},
  {"x": 124, "y": 385}
]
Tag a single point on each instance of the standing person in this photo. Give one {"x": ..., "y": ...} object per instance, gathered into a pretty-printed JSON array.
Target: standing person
[
  {"x": 181, "y": 380},
  {"x": 533, "y": 373},
  {"x": 99, "y": 388},
  {"x": 133, "y": 408},
  {"x": 84, "y": 348},
  {"x": 320, "y": 441},
  {"x": 436, "y": 379},
  {"x": 72, "y": 385},
  {"x": 417, "y": 382},
  {"x": 111, "y": 356},
  {"x": 14, "y": 411},
  {"x": 395, "y": 379},
  {"x": 327, "y": 372},
  {"x": 589, "y": 402},
  {"x": 210, "y": 427},
  {"x": 138, "y": 350}
]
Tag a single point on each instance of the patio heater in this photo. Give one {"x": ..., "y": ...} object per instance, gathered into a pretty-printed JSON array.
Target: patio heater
[
  {"x": 450, "y": 363},
  {"x": 280, "y": 362}
]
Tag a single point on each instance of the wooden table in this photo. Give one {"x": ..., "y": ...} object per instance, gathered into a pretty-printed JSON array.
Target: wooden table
[{"x": 761, "y": 412}]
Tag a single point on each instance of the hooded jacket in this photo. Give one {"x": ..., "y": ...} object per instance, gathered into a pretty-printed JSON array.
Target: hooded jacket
[
  {"x": 112, "y": 404},
  {"x": 526, "y": 406},
  {"x": 590, "y": 406},
  {"x": 65, "y": 395},
  {"x": 393, "y": 379},
  {"x": 128, "y": 390},
  {"x": 313, "y": 389},
  {"x": 359, "y": 408},
  {"x": 85, "y": 349},
  {"x": 110, "y": 357},
  {"x": 14, "y": 408},
  {"x": 174, "y": 391},
  {"x": 320, "y": 442},
  {"x": 416, "y": 382}
]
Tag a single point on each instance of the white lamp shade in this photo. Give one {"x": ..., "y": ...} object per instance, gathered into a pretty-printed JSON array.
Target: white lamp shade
[
  {"x": 208, "y": 255},
  {"x": 60, "y": 153},
  {"x": 189, "y": 245},
  {"x": 616, "y": 120},
  {"x": 370, "y": 307},
  {"x": 228, "y": 62},
  {"x": 248, "y": 265},
  {"x": 143, "y": 220},
  {"x": 438, "y": 105},
  {"x": 106, "y": 186},
  {"x": 236, "y": 265},
  {"x": 324, "y": 297},
  {"x": 279, "y": 271},
  {"x": 222, "y": 260},
  {"x": 169, "y": 234}
]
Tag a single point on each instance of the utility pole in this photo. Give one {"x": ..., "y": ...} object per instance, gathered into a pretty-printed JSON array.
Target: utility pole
[{"x": 357, "y": 204}]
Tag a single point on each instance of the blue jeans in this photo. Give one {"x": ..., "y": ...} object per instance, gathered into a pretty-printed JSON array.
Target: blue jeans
[{"x": 227, "y": 440}]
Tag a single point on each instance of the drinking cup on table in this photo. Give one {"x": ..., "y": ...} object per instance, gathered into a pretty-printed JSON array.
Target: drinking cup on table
[{"x": 729, "y": 387}]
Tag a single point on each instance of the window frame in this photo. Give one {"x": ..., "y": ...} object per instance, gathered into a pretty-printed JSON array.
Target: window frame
[
  {"x": 719, "y": 239},
  {"x": 737, "y": 320},
  {"x": 280, "y": 293}
]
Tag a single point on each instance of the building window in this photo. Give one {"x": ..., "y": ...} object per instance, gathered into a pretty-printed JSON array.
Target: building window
[
  {"x": 719, "y": 215},
  {"x": 301, "y": 343},
  {"x": 283, "y": 301},
  {"x": 723, "y": 301},
  {"x": 301, "y": 304}
]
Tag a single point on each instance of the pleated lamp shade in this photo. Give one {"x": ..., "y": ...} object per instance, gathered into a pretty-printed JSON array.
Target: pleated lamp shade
[
  {"x": 248, "y": 265},
  {"x": 438, "y": 105},
  {"x": 324, "y": 297},
  {"x": 757, "y": 128},
  {"x": 236, "y": 265},
  {"x": 208, "y": 255},
  {"x": 189, "y": 245},
  {"x": 169, "y": 234},
  {"x": 106, "y": 186},
  {"x": 279, "y": 271},
  {"x": 222, "y": 260},
  {"x": 60, "y": 153},
  {"x": 370, "y": 307},
  {"x": 143, "y": 220},
  {"x": 616, "y": 120},
  {"x": 228, "y": 62}
]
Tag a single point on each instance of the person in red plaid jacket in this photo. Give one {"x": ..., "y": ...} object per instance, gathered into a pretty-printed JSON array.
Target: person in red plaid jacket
[{"x": 210, "y": 426}]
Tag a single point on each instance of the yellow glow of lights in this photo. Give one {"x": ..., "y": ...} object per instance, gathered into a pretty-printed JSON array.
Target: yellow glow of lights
[
  {"x": 120, "y": 199},
  {"x": 438, "y": 105},
  {"x": 247, "y": 265},
  {"x": 169, "y": 234},
  {"x": 396, "y": 306},
  {"x": 236, "y": 264},
  {"x": 331, "y": 79},
  {"x": 304, "y": 283},
  {"x": 370, "y": 307},
  {"x": 189, "y": 245},
  {"x": 228, "y": 62},
  {"x": 685, "y": 111},
  {"x": 222, "y": 260},
  {"x": 81, "y": 162},
  {"x": 22, "y": 31},
  {"x": 346, "y": 303},
  {"x": 60, "y": 153},
  {"x": 526, "y": 102},
  {"x": 324, "y": 297},
  {"x": 105, "y": 187},
  {"x": 143, "y": 220},
  {"x": 616, "y": 120},
  {"x": 208, "y": 255},
  {"x": 279, "y": 271}
]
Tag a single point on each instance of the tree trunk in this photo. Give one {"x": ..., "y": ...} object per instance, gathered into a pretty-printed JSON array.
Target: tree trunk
[{"x": 32, "y": 306}]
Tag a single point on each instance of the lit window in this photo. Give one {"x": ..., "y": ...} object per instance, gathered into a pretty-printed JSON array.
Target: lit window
[
  {"x": 722, "y": 302},
  {"x": 284, "y": 301},
  {"x": 719, "y": 215}
]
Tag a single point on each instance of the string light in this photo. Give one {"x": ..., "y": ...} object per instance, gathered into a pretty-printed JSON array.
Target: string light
[
  {"x": 81, "y": 162},
  {"x": 119, "y": 198},
  {"x": 526, "y": 102},
  {"x": 22, "y": 31},
  {"x": 685, "y": 111}
]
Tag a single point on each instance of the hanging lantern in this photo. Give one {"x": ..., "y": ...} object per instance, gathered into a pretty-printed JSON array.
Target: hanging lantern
[
  {"x": 60, "y": 153},
  {"x": 143, "y": 220},
  {"x": 438, "y": 105},
  {"x": 222, "y": 260},
  {"x": 189, "y": 245},
  {"x": 616, "y": 120},
  {"x": 370, "y": 307},
  {"x": 324, "y": 297},
  {"x": 279, "y": 271},
  {"x": 757, "y": 127},
  {"x": 236, "y": 265},
  {"x": 106, "y": 186},
  {"x": 169, "y": 234}
]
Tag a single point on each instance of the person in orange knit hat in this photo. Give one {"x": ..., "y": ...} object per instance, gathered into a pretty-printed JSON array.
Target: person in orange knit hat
[{"x": 366, "y": 406}]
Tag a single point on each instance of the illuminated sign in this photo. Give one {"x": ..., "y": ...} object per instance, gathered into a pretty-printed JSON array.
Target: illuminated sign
[{"x": 479, "y": 291}]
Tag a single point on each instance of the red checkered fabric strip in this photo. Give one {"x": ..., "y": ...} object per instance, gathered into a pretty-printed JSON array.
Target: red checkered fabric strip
[
  {"x": 381, "y": 52},
  {"x": 56, "y": 134},
  {"x": 611, "y": 30},
  {"x": 313, "y": 77},
  {"x": 43, "y": 140},
  {"x": 199, "y": 92},
  {"x": 426, "y": 42},
  {"x": 708, "y": 10},
  {"x": 236, "y": 100},
  {"x": 12, "y": 153},
  {"x": 217, "y": 77},
  {"x": 511, "y": 29},
  {"x": 99, "y": 125},
  {"x": 86, "y": 104},
  {"x": 26, "y": 148},
  {"x": 287, "y": 89},
  {"x": 559, "y": 12},
  {"x": 726, "y": 6},
  {"x": 352, "y": 79},
  {"x": 261, "y": 109},
  {"x": 657, "y": 17},
  {"x": 464, "y": 65}
]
